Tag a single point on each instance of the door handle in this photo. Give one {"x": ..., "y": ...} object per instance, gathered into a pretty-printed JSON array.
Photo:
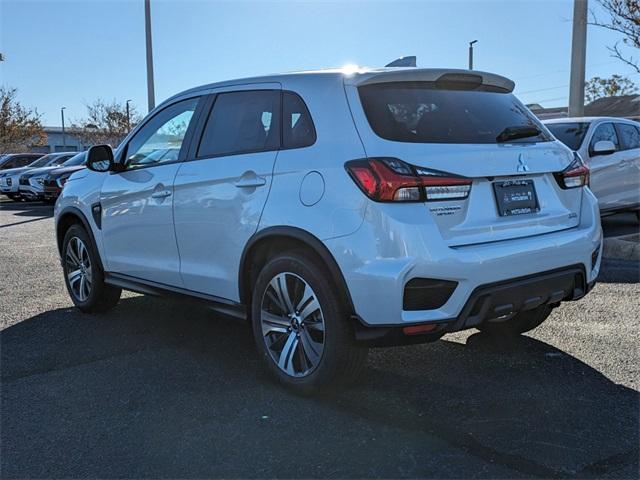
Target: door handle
[
  {"x": 161, "y": 194},
  {"x": 250, "y": 179}
]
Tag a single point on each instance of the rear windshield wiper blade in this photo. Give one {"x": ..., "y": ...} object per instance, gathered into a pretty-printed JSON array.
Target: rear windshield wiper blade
[{"x": 513, "y": 133}]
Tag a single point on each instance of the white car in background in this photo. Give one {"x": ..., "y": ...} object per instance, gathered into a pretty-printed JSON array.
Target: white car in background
[{"x": 611, "y": 148}]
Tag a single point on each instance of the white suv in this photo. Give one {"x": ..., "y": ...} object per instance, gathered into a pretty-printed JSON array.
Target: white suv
[{"x": 338, "y": 211}]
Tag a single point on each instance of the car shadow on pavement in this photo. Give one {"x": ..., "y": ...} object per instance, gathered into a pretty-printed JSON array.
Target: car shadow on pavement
[
  {"x": 27, "y": 209},
  {"x": 161, "y": 388},
  {"x": 619, "y": 271}
]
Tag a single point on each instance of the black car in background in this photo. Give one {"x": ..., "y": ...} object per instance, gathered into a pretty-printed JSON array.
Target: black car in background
[{"x": 55, "y": 179}]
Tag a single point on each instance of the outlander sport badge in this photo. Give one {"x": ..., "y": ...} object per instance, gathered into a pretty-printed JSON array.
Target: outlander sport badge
[{"x": 522, "y": 167}]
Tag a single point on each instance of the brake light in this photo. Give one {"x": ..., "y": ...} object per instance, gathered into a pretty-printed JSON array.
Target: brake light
[
  {"x": 392, "y": 180},
  {"x": 575, "y": 175}
]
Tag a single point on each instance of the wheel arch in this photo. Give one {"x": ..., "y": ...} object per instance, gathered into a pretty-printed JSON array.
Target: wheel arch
[
  {"x": 68, "y": 217},
  {"x": 262, "y": 243}
]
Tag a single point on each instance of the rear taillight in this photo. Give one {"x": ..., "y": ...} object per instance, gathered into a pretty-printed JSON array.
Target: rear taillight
[
  {"x": 392, "y": 180},
  {"x": 575, "y": 175}
]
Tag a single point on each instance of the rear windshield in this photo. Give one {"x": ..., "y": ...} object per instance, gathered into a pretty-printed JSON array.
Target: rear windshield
[
  {"x": 419, "y": 112},
  {"x": 571, "y": 134}
]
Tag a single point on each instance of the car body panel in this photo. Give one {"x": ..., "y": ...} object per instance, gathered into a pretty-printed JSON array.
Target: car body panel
[
  {"x": 196, "y": 240},
  {"x": 615, "y": 178}
]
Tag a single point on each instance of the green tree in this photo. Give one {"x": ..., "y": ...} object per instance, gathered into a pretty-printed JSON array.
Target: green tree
[
  {"x": 20, "y": 127},
  {"x": 614, "y": 86}
]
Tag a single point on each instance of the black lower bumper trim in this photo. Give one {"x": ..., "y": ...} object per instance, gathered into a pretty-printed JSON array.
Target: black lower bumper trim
[{"x": 496, "y": 300}]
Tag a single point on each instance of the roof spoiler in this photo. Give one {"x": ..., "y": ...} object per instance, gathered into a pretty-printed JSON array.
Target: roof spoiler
[{"x": 409, "y": 61}]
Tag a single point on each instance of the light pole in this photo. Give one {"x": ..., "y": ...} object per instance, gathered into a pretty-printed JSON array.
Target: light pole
[
  {"x": 128, "y": 117},
  {"x": 471, "y": 54},
  {"x": 151, "y": 98},
  {"x": 578, "y": 58},
  {"x": 64, "y": 138}
]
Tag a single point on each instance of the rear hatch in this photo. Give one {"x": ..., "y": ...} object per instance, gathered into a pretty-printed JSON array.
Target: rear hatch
[{"x": 468, "y": 125}]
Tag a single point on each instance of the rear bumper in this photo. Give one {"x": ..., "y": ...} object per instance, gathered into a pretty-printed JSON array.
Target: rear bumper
[
  {"x": 384, "y": 255},
  {"x": 499, "y": 301}
]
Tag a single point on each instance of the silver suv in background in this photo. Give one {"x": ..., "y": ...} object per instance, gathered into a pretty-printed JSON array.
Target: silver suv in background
[
  {"x": 610, "y": 146},
  {"x": 10, "y": 178},
  {"x": 338, "y": 210}
]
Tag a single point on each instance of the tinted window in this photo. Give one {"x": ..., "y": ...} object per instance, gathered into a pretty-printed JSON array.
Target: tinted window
[
  {"x": 42, "y": 161},
  {"x": 604, "y": 132},
  {"x": 76, "y": 160},
  {"x": 160, "y": 139},
  {"x": 629, "y": 136},
  {"x": 571, "y": 134},
  {"x": 297, "y": 127},
  {"x": 420, "y": 112},
  {"x": 24, "y": 161},
  {"x": 242, "y": 122}
]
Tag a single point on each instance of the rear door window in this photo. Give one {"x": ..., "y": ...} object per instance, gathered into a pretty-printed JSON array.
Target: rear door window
[
  {"x": 242, "y": 122},
  {"x": 421, "y": 112},
  {"x": 629, "y": 136},
  {"x": 604, "y": 131}
]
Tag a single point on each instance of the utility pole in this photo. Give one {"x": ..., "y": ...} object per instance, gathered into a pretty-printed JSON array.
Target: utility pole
[
  {"x": 578, "y": 58},
  {"x": 64, "y": 138},
  {"x": 471, "y": 54},
  {"x": 151, "y": 97},
  {"x": 128, "y": 117}
]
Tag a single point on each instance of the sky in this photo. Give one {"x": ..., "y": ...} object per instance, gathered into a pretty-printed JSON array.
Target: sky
[{"x": 70, "y": 53}]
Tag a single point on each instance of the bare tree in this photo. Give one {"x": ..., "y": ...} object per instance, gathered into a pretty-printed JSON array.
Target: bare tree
[
  {"x": 625, "y": 19},
  {"x": 105, "y": 123},
  {"x": 20, "y": 127},
  {"x": 614, "y": 86}
]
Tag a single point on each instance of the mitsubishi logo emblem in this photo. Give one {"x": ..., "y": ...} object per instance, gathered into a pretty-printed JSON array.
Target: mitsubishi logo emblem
[{"x": 522, "y": 165}]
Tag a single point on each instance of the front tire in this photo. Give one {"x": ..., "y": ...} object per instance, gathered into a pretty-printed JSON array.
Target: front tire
[
  {"x": 301, "y": 326},
  {"x": 520, "y": 323},
  {"x": 83, "y": 275}
]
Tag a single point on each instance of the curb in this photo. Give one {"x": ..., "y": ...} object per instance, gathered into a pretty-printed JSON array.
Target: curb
[{"x": 625, "y": 247}]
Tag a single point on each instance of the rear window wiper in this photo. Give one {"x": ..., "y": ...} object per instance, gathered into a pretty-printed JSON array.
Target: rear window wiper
[{"x": 513, "y": 133}]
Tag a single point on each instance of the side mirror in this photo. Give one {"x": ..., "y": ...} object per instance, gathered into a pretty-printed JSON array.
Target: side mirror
[
  {"x": 100, "y": 158},
  {"x": 603, "y": 147}
]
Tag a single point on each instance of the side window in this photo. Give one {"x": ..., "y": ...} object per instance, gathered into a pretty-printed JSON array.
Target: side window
[
  {"x": 297, "y": 126},
  {"x": 9, "y": 164},
  {"x": 24, "y": 161},
  {"x": 160, "y": 140},
  {"x": 604, "y": 132},
  {"x": 629, "y": 136},
  {"x": 242, "y": 122}
]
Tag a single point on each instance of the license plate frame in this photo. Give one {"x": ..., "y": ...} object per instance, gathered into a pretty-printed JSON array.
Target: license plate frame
[{"x": 515, "y": 197}]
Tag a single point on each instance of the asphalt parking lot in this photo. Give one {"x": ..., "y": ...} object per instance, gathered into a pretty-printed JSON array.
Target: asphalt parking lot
[{"x": 158, "y": 388}]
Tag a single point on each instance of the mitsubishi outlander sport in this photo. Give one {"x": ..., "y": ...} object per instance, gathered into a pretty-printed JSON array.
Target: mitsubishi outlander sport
[{"x": 337, "y": 211}]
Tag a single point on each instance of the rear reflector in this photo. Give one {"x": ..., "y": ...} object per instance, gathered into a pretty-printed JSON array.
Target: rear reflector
[
  {"x": 418, "y": 329},
  {"x": 392, "y": 180}
]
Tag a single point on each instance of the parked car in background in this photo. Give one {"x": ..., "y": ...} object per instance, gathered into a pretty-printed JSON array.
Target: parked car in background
[
  {"x": 9, "y": 179},
  {"x": 611, "y": 148},
  {"x": 16, "y": 160},
  {"x": 338, "y": 210},
  {"x": 55, "y": 179}
]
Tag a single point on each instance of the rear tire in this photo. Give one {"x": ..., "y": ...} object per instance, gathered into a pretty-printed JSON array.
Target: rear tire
[
  {"x": 83, "y": 275},
  {"x": 301, "y": 326},
  {"x": 521, "y": 323}
]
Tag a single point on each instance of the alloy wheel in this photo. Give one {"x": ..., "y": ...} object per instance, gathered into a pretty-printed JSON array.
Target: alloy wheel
[
  {"x": 293, "y": 325},
  {"x": 78, "y": 269}
]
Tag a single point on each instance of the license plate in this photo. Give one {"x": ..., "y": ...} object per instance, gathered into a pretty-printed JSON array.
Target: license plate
[{"x": 515, "y": 197}]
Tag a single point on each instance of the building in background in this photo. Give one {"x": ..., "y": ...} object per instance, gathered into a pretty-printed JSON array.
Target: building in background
[
  {"x": 624, "y": 106},
  {"x": 54, "y": 143}
]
